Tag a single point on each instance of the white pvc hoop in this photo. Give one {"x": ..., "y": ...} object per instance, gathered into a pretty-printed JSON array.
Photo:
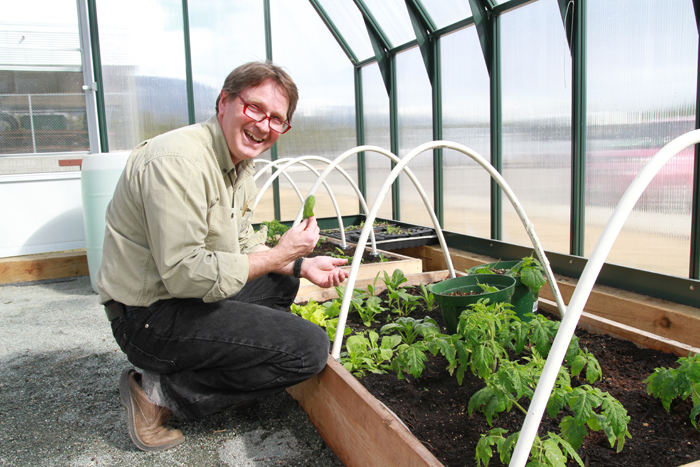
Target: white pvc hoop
[
  {"x": 583, "y": 290},
  {"x": 288, "y": 162},
  {"x": 401, "y": 166}
]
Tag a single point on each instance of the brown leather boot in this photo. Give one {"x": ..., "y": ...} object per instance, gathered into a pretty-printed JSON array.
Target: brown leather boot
[{"x": 147, "y": 422}]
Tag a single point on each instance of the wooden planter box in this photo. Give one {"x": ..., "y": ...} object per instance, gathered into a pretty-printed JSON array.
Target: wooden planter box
[
  {"x": 363, "y": 432},
  {"x": 367, "y": 272}
]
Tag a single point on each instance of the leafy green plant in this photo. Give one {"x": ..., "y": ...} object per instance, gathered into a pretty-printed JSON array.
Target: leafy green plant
[
  {"x": 486, "y": 332},
  {"x": 410, "y": 328},
  {"x": 394, "y": 230},
  {"x": 395, "y": 281},
  {"x": 367, "y": 353},
  {"x": 410, "y": 359},
  {"x": 427, "y": 296},
  {"x": 668, "y": 384},
  {"x": 404, "y": 302},
  {"x": 341, "y": 254},
  {"x": 487, "y": 288},
  {"x": 312, "y": 311},
  {"x": 550, "y": 451},
  {"x": 529, "y": 269},
  {"x": 323, "y": 314},
  {"x": 275, "y": 229},
  {"x": 366, "y": 306},
  {"x": 309, "y": 207}
]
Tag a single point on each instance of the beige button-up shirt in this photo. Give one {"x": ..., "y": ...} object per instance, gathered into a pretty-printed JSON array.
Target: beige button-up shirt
[{"x": 176, "y": 225}]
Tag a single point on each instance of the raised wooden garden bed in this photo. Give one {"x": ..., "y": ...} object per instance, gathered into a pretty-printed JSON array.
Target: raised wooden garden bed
[
  {"x": 367, "y": 272},
  {"x": 363, "y": 432}
]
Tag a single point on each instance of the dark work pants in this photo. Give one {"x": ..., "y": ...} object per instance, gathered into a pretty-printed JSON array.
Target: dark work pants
[{"x": 212, "y": 356}]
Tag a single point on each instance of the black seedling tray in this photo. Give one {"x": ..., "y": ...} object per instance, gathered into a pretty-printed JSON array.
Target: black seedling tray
[{"x": 407, "y": 237}]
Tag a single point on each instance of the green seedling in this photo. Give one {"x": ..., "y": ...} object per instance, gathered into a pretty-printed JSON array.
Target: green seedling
[
  {"x": 668, "y": 384},
  {"x": 368, "y": 353},
  {"x": 275, "y": 229},
  {"x": 309, "y": 207},
  {"x": 410, "y": 328}
]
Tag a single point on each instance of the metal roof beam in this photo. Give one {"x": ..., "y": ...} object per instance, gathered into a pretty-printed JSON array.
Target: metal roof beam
[{"x": 334, "y": 30}]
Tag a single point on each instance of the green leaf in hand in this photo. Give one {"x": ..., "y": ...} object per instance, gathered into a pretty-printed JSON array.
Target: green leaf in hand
[{"x": 309, "y": 207}]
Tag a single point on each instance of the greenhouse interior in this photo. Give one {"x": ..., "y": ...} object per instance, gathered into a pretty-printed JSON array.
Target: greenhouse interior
[{"x": 416, "y": 127}]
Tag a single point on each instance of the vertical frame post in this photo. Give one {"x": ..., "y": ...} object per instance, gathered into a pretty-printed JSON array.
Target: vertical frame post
[
  {"x": 188, "y": 62},
  {"x": 273, "y": 150}
]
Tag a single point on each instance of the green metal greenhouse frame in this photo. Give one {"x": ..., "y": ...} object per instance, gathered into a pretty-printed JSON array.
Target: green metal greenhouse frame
[{"x": 486, "y": 18}]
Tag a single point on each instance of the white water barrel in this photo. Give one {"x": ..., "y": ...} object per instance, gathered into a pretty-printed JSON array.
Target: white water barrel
[{"x": 99, "y": 176}]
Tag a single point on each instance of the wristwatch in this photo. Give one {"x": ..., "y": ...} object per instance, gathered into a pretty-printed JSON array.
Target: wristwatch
[{"x": 297, "y": 268}]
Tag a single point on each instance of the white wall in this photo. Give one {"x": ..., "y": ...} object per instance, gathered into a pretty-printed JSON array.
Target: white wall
[{"x": 40, "y": 213}]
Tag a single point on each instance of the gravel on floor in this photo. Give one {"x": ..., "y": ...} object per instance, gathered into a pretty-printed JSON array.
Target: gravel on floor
[{"x": 59, "y": 396}]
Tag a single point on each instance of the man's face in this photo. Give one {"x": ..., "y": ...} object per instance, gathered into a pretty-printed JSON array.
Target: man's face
[{"x": 246, "y": 138}]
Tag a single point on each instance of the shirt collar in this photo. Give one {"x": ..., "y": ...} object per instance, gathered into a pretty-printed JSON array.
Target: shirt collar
[{"x": 223, "y": 156}]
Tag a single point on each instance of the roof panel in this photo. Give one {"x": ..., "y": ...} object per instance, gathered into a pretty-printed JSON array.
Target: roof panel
[
  {"x": 446, "y": 12},
  {"x": 347, "y": 18},
  {"x": 392, "y": 17}
]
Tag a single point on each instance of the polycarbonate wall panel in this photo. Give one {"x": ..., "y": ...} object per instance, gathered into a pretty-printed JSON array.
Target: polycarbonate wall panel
[
  {"x": 537, "y": 123},
  {"x": 348, "y": 19},
  {"x": 324, "y": 121},
  {"x": 466, "y": 120},
  {"x": 446, "y": 12},
  {"x": 42, "y": 105},
  {"x": 414, "y": 97},
  {"x": 375, "y": 101},
  {"x": 223, "y": 35},
  {"x": 642, "y": 72},
  {"x": 392, "y": 17},
  {"x": 143, "y": 69}
]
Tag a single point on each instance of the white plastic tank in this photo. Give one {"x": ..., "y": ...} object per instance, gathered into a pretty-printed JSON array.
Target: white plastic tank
[{"x": 98, "y": 180}]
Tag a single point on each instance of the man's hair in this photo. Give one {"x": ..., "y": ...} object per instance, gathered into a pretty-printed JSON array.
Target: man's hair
[{"x": 254, "y": 73}]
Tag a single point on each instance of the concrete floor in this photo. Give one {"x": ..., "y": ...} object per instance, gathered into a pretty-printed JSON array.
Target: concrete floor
[{"x": 59, "y": 398}]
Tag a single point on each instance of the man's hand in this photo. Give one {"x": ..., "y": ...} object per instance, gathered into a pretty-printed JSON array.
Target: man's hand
[
  {"x": 296, "y": 242},
  {"x": 299, "y": 240},
  {"x": 324, "y": 271}
]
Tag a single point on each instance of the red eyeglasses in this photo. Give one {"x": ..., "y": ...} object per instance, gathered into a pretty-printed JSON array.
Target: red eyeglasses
[{"x": 253, "y": 111}]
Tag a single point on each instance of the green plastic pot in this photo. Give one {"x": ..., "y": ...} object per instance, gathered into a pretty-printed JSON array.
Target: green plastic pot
[
  {"x": 453, "y": 305},
  {"x": 524, "y": 300}
]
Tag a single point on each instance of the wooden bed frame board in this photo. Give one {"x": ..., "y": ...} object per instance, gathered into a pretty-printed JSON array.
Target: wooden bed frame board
[{"x": 659, "y": 317}]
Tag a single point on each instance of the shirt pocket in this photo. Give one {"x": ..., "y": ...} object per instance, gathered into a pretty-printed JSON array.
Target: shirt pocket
[{"x": 223, "y": 230}]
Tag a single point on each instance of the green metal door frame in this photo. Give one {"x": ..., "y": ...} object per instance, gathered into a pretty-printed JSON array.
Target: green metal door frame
[
  {"x": 273, "y": 150},
  {"x": 429, "y": 46},
  {"x": 573, "y": 15},
  {"x": 188, "y": 62},
  {"x": 387, "y": 66},
  {"x": 97, "y": 68},
  {"x": 487, "y": 27},
  {"x": 360, "y": 135},
  {"x": 694, "y": 272}
]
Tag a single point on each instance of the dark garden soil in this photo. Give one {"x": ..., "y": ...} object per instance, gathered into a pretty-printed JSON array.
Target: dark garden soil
[
  {"x": 329, "y": 248},
  {"x": 434, "y": 407}
]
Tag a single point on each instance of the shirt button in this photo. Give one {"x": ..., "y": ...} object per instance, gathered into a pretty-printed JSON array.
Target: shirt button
[{"x": 146, "y": 326}]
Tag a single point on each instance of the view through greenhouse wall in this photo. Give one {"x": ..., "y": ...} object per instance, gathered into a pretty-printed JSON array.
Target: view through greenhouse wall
[
  {"x": 537, "y": 123},
  {"x": 324, "y": 122},
  {"x": 223, "y": 35},
  {"x": 413, "y": 92},
  {"x": 466, "y": 119},
  {"x": 376, "y": 119},
  {"x": 143, "y": 69},
  {"x": 642, "y": 75},
  {"x": 42, "y": 104}
]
